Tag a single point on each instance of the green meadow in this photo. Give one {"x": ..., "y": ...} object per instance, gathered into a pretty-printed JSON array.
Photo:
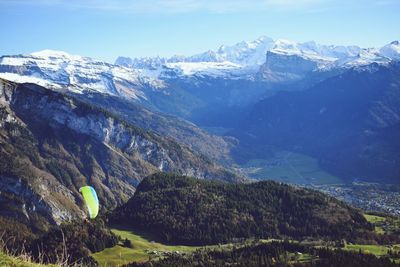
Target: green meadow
[{"x": 144, "y": 248}]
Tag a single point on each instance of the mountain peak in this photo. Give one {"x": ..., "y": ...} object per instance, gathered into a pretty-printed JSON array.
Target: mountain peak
[
  {"x": 263, "y": 38},
  {"x": 391, "y": 50},
  {"x": 48, "y": 53}
]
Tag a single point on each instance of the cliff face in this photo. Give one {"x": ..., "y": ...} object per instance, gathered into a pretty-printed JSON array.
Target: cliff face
[
  {"x": 52, "y": 144},
  {"x": 214, "y": 147},
  {"x": 287, "y": 68}
]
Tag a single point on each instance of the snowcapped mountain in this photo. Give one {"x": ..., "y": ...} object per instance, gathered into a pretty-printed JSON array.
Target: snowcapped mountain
[
  {"x": 265, "y": 59},
  {"x": 236, "y": 61},
  {"x": 243, "y": 53},
  {"x": 391, "y": 50},
  {"x": 244, "y": 59},
  {"x": 322, "y": 54},
  {"x": 290, "y": 61},
  {"x": 60, "y": 70}
]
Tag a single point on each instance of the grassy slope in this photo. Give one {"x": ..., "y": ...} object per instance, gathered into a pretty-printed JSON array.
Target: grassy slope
[
  {"x": 143, "y": 246},
  {"x": 9, "y": 261},
  {"x": 141, "y": 251}
]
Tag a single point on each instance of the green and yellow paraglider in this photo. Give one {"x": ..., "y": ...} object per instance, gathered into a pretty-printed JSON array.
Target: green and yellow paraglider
[{"x": 91, "y": 200}]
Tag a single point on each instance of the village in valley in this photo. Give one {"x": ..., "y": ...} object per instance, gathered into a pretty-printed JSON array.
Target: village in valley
[{"x": 367, "y": 196}]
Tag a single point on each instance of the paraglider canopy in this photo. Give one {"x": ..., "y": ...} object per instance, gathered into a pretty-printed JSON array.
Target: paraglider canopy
[{"x": 91, "y": 200}]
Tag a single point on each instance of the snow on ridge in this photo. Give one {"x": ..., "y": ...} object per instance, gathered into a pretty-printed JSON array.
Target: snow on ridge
[
  {"x": 17, "y": 78},
  {"x": 312, "y": 50},
  {"x": 60, "y": 70},
  {"x": 249, "y": 56},
  {"x": 391, "y": 50},
  {"x": 239, "y": 61},
  {"x": 243, "y": 54},
  {"x": 49, "y": 54},
  {"x": 13, "y": 60},
  {"x": 210, "y": 68},
  {"x": 243, "y": 58}
]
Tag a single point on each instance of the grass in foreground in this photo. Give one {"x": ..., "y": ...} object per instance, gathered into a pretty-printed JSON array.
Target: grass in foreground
[{"x": 9, "y": 261}]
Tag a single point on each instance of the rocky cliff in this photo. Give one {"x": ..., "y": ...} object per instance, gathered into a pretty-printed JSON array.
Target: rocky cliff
[{"x": 51, "y": 144}]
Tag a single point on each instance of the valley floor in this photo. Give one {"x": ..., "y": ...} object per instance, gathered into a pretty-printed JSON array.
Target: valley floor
[
  {"x": 299, "y": 169},
  {"x": 288, "y": 167}
]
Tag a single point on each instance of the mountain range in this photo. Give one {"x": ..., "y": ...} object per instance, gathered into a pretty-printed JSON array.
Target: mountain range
[
  {"x": 188, "y": 87},
  {"x": 68, "y": 120},
  {"x": 243, "y": 60}
]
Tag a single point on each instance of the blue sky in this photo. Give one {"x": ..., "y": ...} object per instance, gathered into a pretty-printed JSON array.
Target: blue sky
[{"x": 105, "y": 29}]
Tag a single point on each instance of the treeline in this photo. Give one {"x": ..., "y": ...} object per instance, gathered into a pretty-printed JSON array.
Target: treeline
[
  {"x": 190, "y": 211},
  {"x": 271, "y": 254},
  {"x": 67, "y": 244}
]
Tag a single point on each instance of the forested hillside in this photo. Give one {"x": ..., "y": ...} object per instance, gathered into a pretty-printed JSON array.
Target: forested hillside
[{"x": 188, "y": 211}]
